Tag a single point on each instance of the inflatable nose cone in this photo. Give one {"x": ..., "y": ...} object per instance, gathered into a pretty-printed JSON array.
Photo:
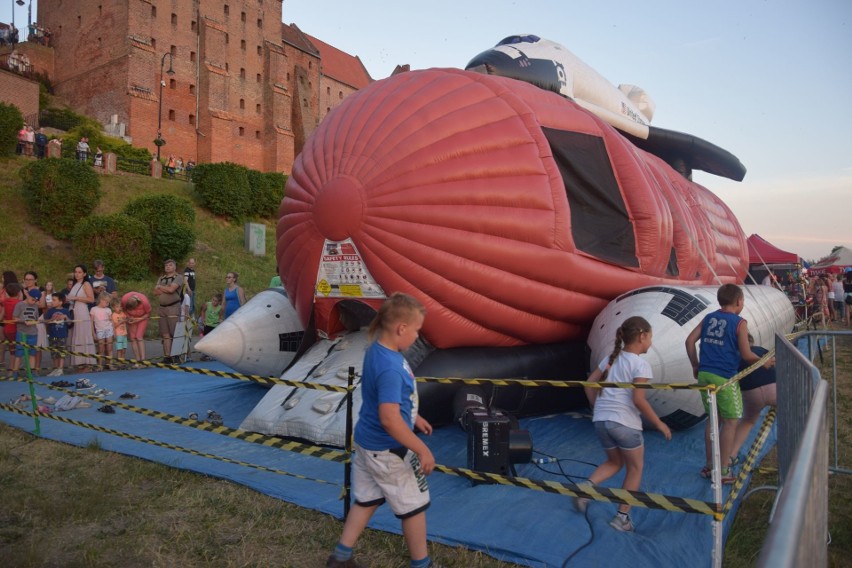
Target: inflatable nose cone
[{"x": 261, "y": 338}]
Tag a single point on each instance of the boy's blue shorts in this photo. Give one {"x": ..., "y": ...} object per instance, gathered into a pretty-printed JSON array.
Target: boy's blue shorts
[{"x": 28, "y": 339}]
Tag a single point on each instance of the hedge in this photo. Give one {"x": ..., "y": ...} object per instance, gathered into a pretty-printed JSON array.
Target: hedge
[
  {"x": 11, "y": 122},
  {"x": 124, "y": 244},
  {"x": 59, "y": 193}
]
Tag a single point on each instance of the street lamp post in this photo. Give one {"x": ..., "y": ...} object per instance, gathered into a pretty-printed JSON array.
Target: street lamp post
[
  {"x": 19, "y": 3},
  {"x": 159, "y": 141}
]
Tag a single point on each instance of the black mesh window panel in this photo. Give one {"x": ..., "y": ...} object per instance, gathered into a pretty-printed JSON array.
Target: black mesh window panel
[{"x": 599, "y": 220}]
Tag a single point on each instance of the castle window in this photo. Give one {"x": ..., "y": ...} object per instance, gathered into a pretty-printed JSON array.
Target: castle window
[
  {"x": 79, "y": 21},
  {"x": 242, "y": 103},
  {"x": 100, "y": 10},
  {"x": 259, "y": 50},
  {"x": 243, "y": 44},
  {"x": 192, "y": 119},
  {"x": 257, "y": 108},
  {"x": 227, "y": 10},
  {"x": 227, "y": 67},
  {"x": 99, "y": 42},
  {"x": 243, "y": 16},
  {"x": 171, "y": 114},
  {"x": 258, "y": 78},
  {"x": 153, "y": 11},
  {"x": 259, "y": 23},
  {"x": 227, "y": 38},
  {"x": 174, "y": 19},
  {"x": 193, "y": 26},
  {"x": 340, "y": 95},
  {"x": 172, "y": 84},
  {"x": 173, "y": 51},
  {"x": 328, "y": 90},
  {"x": 242, "y": 131},
  {"x": 257, "y": 134},
  {"x": 192, "y": 89},
  {"x": 242, "y": 73},
  {"x": 154, "y": 43},
  {"x": 192, "y": 56}
]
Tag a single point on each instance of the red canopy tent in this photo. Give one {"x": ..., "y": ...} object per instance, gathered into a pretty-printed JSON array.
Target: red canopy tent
[{"x": 761, "y": 251}]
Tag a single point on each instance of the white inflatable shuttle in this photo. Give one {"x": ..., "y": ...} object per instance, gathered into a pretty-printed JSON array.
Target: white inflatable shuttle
[
  {"x": 260, "y": 338},
  {"x": 673, "y": 312}
]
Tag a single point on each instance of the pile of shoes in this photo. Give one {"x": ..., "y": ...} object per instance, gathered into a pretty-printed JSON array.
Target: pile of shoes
[
  {"x": 62, "y": 384},
  {"x": 129, "y": 395},
  {"x": 107, "y": 409},
  {"x": 83, "y": 384},
  {"x": 214, "y": 418}
]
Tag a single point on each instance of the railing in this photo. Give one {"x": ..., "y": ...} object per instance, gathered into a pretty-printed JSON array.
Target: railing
[{"x": 799, "y": 525}]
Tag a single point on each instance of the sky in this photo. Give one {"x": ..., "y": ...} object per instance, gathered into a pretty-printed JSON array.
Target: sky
[{"x": 769, "y": 81}]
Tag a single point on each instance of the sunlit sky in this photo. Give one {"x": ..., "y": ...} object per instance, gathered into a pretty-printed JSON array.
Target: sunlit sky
[{"x": 770, "y": 81}]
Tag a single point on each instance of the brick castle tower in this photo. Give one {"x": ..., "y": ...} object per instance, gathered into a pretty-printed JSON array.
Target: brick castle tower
[{"x": 246, "y": 88}]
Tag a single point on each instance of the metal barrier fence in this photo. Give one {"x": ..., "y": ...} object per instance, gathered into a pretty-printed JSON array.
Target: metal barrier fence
[{"x": 799, "y": 525}]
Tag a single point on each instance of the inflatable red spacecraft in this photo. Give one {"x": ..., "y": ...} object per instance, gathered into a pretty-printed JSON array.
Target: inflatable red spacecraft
[{"x": 511, "y": 211}]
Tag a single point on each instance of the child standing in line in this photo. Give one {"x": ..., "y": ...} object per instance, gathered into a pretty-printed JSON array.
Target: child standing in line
[
  {"x": 211, "y": 314},
  {"x": 390, "y": 462},
  {"x": 10, "y": 328},
  {"x": 724, "y": 340},
  {"x": 618, "y": 413},
  {"x": 25, "y": 315},
  {"x": 56, "y": 318},
  {"x": 101, "y": 317},
  {"x": 119, "y": 326}
]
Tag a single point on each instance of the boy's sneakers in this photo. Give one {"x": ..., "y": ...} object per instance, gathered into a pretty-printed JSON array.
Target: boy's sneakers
[
  {"x": 84, "y": 384},
  {"x": 332, "y": 562},
  {"x": 55, "y": 373},
  {"x": 728, "y": 476},
  {"x": 621, "y": 522}
]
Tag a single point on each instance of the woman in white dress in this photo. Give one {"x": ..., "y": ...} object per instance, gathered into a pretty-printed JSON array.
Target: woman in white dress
[{"x": 82, "y": 340}]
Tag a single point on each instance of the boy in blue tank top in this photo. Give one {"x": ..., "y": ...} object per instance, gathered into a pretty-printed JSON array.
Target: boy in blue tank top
[{"x": 723, "y": 336}]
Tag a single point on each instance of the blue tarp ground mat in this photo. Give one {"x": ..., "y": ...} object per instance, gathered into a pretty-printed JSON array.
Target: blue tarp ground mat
[{"x": 514, "y": 524}]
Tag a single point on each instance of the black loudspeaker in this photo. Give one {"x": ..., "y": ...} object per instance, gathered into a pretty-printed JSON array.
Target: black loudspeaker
[{"x": 494, "y": 443}]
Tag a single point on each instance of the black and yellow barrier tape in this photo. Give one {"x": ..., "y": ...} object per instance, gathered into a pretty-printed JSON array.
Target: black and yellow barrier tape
[
  {"x": 166, "y": 445},
  {"x": 270, "y": 381},
  {"x": 607, "y": 495},
  {"x": 252, "y": 437},
  {"x": 750, "y": 463}
]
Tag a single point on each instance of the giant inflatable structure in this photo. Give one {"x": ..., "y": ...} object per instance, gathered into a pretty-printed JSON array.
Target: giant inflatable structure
[{"x": 515, "y": 199}]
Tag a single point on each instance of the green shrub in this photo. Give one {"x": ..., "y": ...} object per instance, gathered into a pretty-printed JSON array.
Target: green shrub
[
  {"x": 62, "y": 118},
  {"x": 124, "y": 244},
  {"x": 267, "y": 192},
  {"x": 11, "y": 122},
  {"x": 59, "y": 193},
  {"x": 224, "y": 189},
  {"x": 171, "y": 221}
]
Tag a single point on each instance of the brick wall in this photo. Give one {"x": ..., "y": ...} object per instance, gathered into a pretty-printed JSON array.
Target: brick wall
[
  {"x": 18, "y": 91},
  {"x": 238, "y": 93}
]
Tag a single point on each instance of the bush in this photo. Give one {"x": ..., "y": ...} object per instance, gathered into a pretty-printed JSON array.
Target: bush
[
  {"x": 60, "y": 193},
  {"x": 224, "y": 189},
  {"x": 171, "y": 221},
  {"x": 11, "y": 122},
  {"x": 124, "y": 244},
  {"x": 267, "y": 192},
  {"x": 61, "y": 118}
]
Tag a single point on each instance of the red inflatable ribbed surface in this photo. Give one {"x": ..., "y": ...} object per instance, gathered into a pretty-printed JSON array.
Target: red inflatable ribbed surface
[{"x": 448, "y": 183}]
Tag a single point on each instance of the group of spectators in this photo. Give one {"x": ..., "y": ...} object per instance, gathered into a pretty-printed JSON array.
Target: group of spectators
[
  {"x": 89, "y": 317},
  {"x": 824, "y": 297},
  {"x": 176, "y": 166},
  {"x": 31, "y": 142}
]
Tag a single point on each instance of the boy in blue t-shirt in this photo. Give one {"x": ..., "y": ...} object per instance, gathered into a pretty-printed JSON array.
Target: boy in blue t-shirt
[
  {"x": 724, "y": 341},
  {"x": 56, "y": 318},
  {"x": 390, "y": 462}
]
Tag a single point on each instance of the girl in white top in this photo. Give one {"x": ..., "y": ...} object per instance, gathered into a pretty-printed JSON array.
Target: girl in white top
[{"x": 618, "y": 412}]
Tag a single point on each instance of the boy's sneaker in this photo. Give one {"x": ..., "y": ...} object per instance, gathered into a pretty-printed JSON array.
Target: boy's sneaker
[
  {"x": 728, "y": 476},
  {"x": 582, "y": 503},
  {"x": 84, "y": 384},
  {"x": 55, "y": 373},
  {"x": 332, "y": 562},
  {"x": 622, "y": 523}
]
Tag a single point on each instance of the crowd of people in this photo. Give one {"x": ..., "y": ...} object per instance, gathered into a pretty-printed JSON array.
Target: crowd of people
[
  {"x": 95, "y": 323},
  {"x": 31, "y": 142},
  {"x": 822, "y": 298}
]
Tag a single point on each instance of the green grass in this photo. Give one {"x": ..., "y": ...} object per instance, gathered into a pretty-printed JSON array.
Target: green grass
[{"x": 219, "y": 247}]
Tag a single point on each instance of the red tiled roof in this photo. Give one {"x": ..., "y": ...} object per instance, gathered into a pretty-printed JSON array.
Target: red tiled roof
[{"x": 339, "y": 65}]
